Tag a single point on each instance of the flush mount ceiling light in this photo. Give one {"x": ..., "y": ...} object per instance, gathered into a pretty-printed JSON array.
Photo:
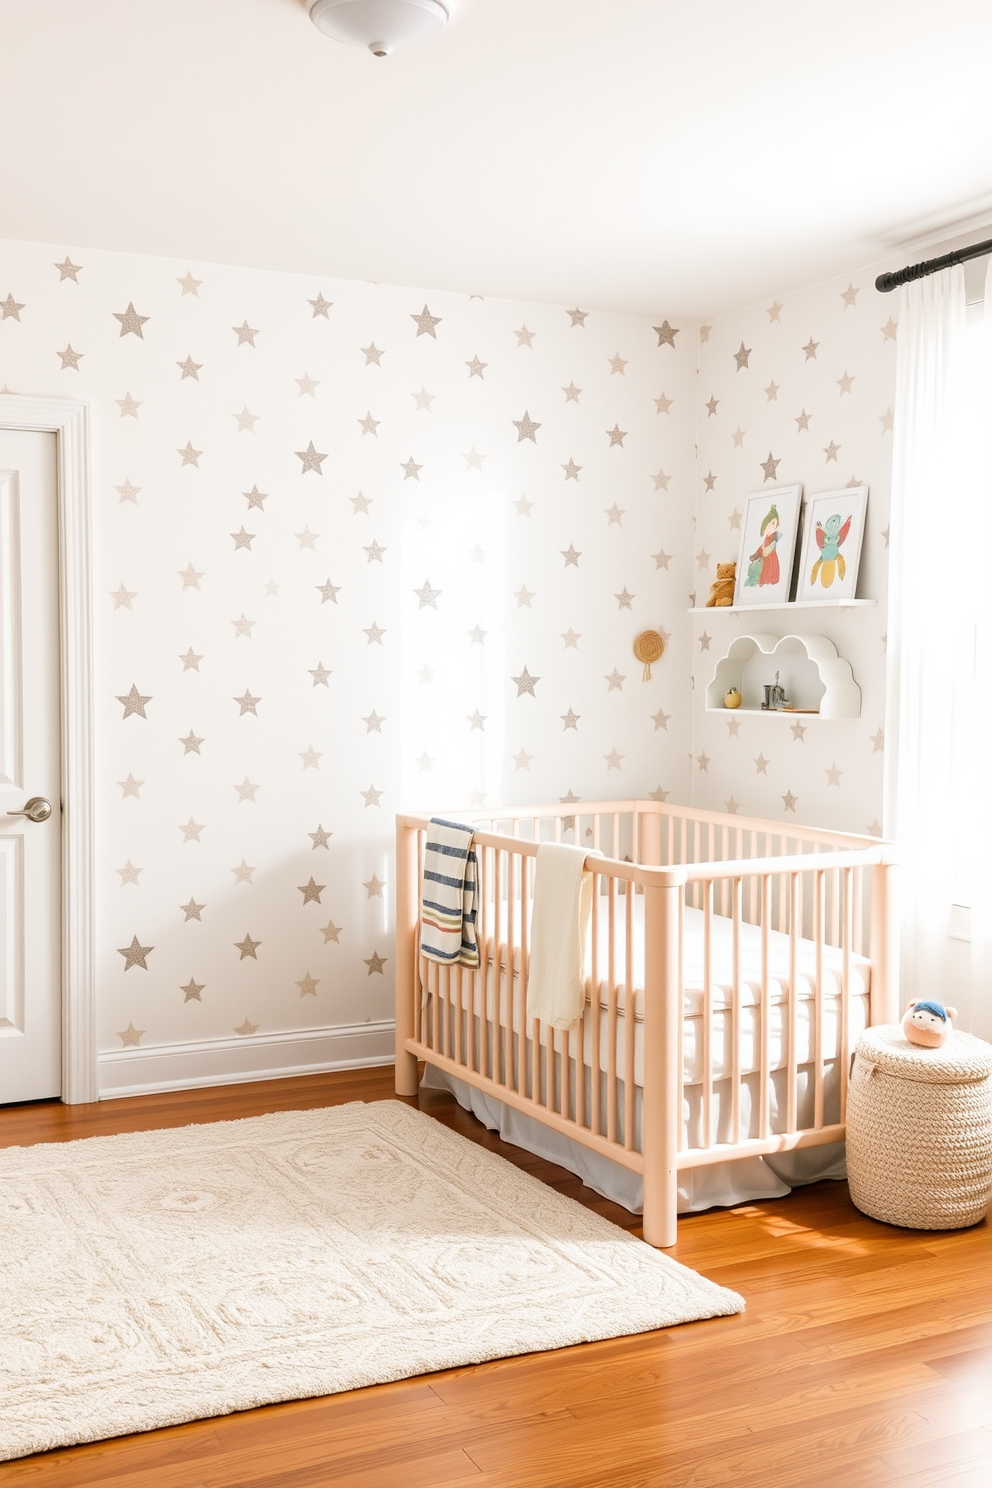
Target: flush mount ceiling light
[{"x": 383, "y": 26}]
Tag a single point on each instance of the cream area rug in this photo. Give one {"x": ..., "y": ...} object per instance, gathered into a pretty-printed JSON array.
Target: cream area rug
[{"x": 167, "y": 1276}]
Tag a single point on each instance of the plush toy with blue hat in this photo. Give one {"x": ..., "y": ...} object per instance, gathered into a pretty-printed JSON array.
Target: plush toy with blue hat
[{"x": 928, "y": 1023}]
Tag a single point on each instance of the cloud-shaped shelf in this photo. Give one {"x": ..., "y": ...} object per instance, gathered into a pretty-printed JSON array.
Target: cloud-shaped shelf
[{"x": 814, "y": 675}]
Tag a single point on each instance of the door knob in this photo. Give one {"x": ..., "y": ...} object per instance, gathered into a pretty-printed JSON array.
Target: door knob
[{"x": 36, "y": 810}]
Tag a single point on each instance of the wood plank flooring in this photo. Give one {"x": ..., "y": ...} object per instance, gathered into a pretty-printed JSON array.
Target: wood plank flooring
[{"x": 864, "y": 1359}]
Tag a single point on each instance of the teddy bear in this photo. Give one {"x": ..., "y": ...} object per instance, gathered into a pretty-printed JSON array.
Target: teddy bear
[
  {"x": 928, "y": 1023},
  {"x": 722, "y": 592}
]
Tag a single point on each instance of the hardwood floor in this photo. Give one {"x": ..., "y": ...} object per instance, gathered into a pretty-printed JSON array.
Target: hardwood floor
[{"x": 864, "y": 1359}]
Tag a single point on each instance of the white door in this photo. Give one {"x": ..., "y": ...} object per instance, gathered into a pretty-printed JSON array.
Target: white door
[{"x": 30, "y": 773}]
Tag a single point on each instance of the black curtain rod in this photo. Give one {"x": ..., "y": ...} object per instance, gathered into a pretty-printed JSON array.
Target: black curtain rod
[{"x": 895, "y": 277}]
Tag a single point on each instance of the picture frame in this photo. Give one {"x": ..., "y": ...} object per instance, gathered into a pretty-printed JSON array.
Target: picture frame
[
  {"x": 768, "y": 546},
  {"x": 833, "y": 535}
]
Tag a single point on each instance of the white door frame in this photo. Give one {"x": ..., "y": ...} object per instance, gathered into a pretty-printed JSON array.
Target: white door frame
[{"x": 68, "y": 420}]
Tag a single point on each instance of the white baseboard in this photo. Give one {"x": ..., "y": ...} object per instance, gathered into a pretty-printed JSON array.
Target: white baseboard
[{"x": 228, "y": 1061}]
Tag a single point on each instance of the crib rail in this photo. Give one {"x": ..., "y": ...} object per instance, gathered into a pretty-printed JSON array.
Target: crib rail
[{"x": 769, "y": 925}]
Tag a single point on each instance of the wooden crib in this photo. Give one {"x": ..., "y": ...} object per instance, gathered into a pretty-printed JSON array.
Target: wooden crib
[{"x": 766, "y": 948}]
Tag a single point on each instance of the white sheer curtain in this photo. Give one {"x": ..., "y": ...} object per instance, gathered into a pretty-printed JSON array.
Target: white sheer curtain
[{"x": 938, "y": 806}]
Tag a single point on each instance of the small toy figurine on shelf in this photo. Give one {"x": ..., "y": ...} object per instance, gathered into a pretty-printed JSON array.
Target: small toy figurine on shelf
[{"x": 775, "y": 697}]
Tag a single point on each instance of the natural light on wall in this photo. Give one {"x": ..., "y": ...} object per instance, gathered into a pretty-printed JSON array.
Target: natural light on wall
[{"x": 453, "y": 651}]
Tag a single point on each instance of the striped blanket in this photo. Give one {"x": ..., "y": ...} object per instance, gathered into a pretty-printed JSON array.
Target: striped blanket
[{"x": 448, "y": 895}]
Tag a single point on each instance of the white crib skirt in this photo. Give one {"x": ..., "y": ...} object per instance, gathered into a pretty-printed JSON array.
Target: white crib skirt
[{"x": 742, "y": 1181}]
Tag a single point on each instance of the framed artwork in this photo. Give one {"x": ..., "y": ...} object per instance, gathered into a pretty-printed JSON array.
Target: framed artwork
[
  {"x": 832, "y": 536},
  {"x": 768, "y": 546}
]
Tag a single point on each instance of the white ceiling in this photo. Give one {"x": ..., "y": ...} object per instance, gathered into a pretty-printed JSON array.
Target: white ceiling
[{"x": 678, "y": 157}]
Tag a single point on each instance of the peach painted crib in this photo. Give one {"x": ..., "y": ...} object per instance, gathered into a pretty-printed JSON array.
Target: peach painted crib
[{"x": 756, "y": 954}]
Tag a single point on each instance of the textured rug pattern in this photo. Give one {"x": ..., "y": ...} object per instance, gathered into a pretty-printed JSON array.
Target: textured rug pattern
[{"x": 167, "y": 1276}]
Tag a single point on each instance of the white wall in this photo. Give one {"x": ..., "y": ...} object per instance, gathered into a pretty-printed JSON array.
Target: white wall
[{"x": 492, "y": 520}]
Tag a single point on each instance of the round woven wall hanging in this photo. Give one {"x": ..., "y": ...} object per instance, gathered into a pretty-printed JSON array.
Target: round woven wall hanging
[{"x": 648, "y": 647}]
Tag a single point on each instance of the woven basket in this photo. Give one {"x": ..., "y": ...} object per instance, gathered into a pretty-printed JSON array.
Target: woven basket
[{"x": 919, "y": 1130}]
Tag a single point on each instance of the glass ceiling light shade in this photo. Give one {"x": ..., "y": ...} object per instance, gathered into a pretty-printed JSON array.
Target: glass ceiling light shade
[{"x": 382, "y": 26}]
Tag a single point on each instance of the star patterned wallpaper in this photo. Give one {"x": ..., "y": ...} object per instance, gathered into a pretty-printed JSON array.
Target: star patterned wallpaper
[
  {"x": 796, "y": 391},
  {"x": 358, "y": 549}
]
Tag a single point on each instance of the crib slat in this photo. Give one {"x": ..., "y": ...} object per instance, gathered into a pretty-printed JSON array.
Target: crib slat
[
  {"x": 611, "y": 1015},
  {"x": 630, "y": 1023},
  {"x": 502, "y": 1042},
  {"x": 819, "y": 919},
  {"x": 707, "y": 1014},
  {"x": 844, "y": 1035},
  {"x": 764, "y": 1059},
  {"x": 792, "y": 1004},
  {"x": 595, "y": 1095},
  {"x": 736, "y": 989}
]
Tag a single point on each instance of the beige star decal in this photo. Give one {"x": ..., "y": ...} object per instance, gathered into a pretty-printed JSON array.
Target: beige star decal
[
  {"x": 191, "y": 744},
  {"x": 330, "y": 932},
  {"x": 129, "y": 874},
  {"x": 360, "y": 503},
  {"x": 320, "y": 838},
  {"x": 243, "y": 539},
  {"x": 190, "y": 576},
  {"x": 308, "y": 986},
  {"x": 247, "y": 947},
  {"x": 426, "y": 323},
  {"x": 425, "y": 762},
  {"x": 246, "y": 791},
  {"x": 191, "y": 911},
  {"x": 735, "y": 518},
  {"x": 307, "y": 539},
  {"x": 661, "y": 480},
  {"x": 247, "y": 1028},
  {"x": 11, "y": 309},
  {"x": 306, "y": 385},
  {"x": 830, "y": 450},
  {"x": 703, "y": 763},
  {"x": 761, "y": 765},
  {"x": 770, "y": 466},
  {"x": 571, "y": 393},
  {"x": 577, "y": 317},
  {"x": 771, "y": 392},
  {"x": 661, "y": 558},
  {"x": 246, "y": 420},
  {"x": 372, "y": 355},
  {"x": 245, "y": 334},
  {"x": 375, "y": 634},
  {"x": 312, "y": 459},
  {"x": 614, "y": 515},
  {"x": 522, "y": 760},
  {"x": 844, "y": 383},
  {"x": 617, "y": 366},
  {"x": 473, "y": 460},
  {"x": 712, "y": 406},
  {"x": 658, "y": 794},
  {"x": 524, "y": 506},
  {"x": 660, "y": 720},
  {"x": 255, "y": 497},
  {"x": 190, "y": 456},
  {"x": 373, "y": 722},
  {"x": 571, "y": 556},
  {"x": 733, "y": 728},
  {"x": 526, "y": 428},
  {"x": 375, "y": 962},
  {"x": 613, "y": 760},
  {"x": 311, "y": 758},
  {"x": 704, "y": 642},
  {"x": 523, "y": 596},
  {"x": 877, "y": 741},
  {"x": 311, "y": 891},
  {"x": 130, "y": 787},
  {"x": 130, "y": 1036},
  {"x": 70, "y": 358},
  {"x": 128, "y": 492},
  {"x": 369, "y": 424},
  {"x": 666, "y": 334},
  {"x": 799, "y": 732},
  {"x": 849, "y": 295},
  {"x": 320, "y": 306},
  {"x": 424, "y": 399},
  {"x": 570, "y": 720},
  {"x": 68, "y": 270},
  {"x": 427, "y": 596},
  {"x": 134, "y": 954},
  {"x": 189, "y": 368},
  {"x": 802, "y": 422},
  {"x": 615, "y": 681},
  {"x": 741, "y": 356},
  {"x": 248, "y": 704},
  {"x": 702, "y": 559},
  {"x": 373, "y": 887},
  {"x": 134, "y": 703},
  {"x": 243, "y": 873},
  {"x": 833, "y": 775},
  {"x": 131, "y": 321},
  {"x": 774, "y": 312},
  {"x": 738, "y": 437},
  {"x": 189, "y": 285},
  {"x": 191, "y": 831},
  {"x": 411, "y": 470},
  {"x": 477, "y": 720},
  {"x": 320, "y": 674},
  {"x": 810, "y": 349},
  {"x": 571, "y": 470},
  {"x": 789, "y": 801},
  {"x": 709, "y": 481},
  {"x": 374, "y": 552},
  {"x": 525, "y": 337},
  {"x": 624, "y": 600},
  {"x": 242, "y": 626},
  {"x": 192, "y": 990},
  {"x": 663, "y": 403},
  {"x": 571, "y": 638},
  {"x": 886, "y": 420},
  {"x": 889, "y": 331},
  {"x": 122, "y": 597},
  {"x": 477, "y": 636},
  {"x": 616, "y": 435},
  {"x": 371, "y": 796}
]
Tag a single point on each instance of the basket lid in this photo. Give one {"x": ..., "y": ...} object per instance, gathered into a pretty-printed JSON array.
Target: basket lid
[{"x": 963, "y": 1060}]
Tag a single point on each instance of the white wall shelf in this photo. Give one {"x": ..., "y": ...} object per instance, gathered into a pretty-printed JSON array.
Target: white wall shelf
[
  {"x": 791, "y": 604},
  {"x": 817, "y": 680}
]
